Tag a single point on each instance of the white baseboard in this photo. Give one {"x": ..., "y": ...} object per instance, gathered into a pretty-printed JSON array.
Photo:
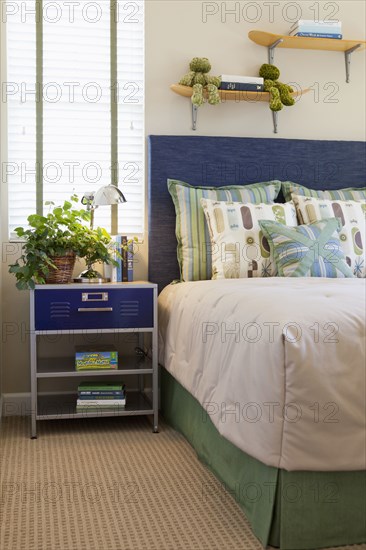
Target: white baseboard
[{"x": 16, "y": 404}]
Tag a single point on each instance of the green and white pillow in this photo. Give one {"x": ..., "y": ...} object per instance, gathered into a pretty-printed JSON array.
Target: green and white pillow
[
  {"x": 349, "y": 193},
  {"x": 312, "y": 250},
  {"x": 353, "y": 220},
  {"x": 239, "y": 248},
  {"x": 193, "y": 248}
]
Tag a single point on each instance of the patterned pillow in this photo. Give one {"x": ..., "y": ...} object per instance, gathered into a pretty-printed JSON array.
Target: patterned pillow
[
  {"x": 307, "y": 250},
  {"x": 193, "y": 239},
  {"x": 353, "y": 232},
  {"x": 239, "y": 249},
  {"x": 350, "y": 193}
]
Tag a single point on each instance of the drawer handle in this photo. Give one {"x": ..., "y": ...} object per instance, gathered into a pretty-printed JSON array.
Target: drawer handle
[
  {"x": 94, "y": 296},
  {"x": 94, "y": 309}
]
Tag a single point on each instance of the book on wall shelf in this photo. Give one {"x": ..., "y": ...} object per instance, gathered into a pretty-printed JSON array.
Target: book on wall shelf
[
  {"x": 238, "y": 86},
  {"x": 242, "y": 79},
  {"x": 242, "y": 83},
  {"x": 317, "y": 29},
  {"x": 318, "y": 35}
]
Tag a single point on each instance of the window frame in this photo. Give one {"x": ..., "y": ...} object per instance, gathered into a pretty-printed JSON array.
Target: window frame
[{"x": 115, "y": 7}]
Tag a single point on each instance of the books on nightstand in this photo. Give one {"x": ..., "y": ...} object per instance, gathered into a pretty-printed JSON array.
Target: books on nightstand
[
  {"x": 100, "y": 396},
  {"x": 317, "y": 29},
  {"x": 123, "y": 272}
]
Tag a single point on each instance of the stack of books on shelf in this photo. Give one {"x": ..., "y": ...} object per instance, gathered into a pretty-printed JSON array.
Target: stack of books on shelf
[
  {"x": 317, "y": 29},
  {"x": 239, "y": 83},
  {"x": 96, "y": 357},
  {"x": 100, "y": 396}
]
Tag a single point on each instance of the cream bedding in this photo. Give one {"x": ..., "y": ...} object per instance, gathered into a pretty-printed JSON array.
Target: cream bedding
[{"x": 278, "y": 365}]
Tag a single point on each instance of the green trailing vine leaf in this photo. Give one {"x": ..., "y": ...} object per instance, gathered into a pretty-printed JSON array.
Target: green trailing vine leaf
[{"x": 65, "y": 228}]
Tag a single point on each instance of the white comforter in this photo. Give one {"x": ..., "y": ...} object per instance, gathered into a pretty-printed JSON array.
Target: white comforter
[{"x": 278, "y": 365}]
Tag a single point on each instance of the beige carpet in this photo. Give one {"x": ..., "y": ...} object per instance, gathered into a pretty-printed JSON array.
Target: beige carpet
[{"x": 111, "y": 484}]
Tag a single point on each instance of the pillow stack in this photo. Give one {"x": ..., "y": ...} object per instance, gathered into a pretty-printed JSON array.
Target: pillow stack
[
  {"x": 239, "y": 232},
  {"x": 194, "y": 246}
]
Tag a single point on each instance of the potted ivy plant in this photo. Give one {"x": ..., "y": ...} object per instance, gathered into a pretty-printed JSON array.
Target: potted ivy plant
[{"x": 52, "y": 242}]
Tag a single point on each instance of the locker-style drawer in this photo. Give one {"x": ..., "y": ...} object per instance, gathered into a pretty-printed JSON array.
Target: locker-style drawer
[{"x": 63, "y": 309}]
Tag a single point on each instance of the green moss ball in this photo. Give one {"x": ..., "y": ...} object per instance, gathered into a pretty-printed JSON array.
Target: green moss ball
[
  {"x": 200, "y": 65},
  {"x": 269, "y": 72}
]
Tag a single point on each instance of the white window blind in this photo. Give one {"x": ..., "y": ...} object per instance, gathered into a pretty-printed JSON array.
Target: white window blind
[
  {"x": 130, "y": 55},
  {"x": 21, "y": 101},
  {"x": 76, "y": 96}
]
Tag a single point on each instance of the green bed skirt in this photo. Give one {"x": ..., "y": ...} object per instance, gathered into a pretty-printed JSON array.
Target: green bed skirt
[{"x": 290, "y": 510}]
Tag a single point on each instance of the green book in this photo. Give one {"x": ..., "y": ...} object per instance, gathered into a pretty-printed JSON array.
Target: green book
[
  {"x": 101, "y": 408},
  {"x": 100, "y": 386}
]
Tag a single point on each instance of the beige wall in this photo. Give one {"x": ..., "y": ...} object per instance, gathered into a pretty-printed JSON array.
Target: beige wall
[{"x": 175, "y": 32}]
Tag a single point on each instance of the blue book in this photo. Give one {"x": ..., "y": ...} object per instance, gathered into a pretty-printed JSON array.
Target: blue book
[
  {"x": 130, "y": 263},
  {"x": 319, "y": 35},
  {"x": 317, "y": 30},
  {"x": 241, "y": 87},
  {"x": 82, "y": 397}
]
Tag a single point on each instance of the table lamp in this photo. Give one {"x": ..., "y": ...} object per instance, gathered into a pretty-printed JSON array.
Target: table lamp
[{"x": 108, "y": 195}]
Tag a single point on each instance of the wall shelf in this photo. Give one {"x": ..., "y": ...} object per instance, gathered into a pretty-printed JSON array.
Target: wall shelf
[
  {"x": 272, "y": 41},
  {"x": 227, "y": 95}
]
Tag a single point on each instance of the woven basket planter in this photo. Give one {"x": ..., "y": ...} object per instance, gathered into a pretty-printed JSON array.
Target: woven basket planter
[{"x": 62, "y": 274}]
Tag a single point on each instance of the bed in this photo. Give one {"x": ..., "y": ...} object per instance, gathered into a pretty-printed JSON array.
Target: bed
[{"x": 301, "y": 483}]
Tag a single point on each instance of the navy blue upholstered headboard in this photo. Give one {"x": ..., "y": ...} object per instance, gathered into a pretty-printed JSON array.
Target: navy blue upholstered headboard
[{"x": 215, "y": 161}]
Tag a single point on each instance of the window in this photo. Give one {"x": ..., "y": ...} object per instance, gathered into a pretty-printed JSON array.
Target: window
[{"x": 75, "y": 105}]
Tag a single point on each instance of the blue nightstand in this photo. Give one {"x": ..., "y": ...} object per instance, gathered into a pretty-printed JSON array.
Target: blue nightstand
[{"x": 62, "y": 316}]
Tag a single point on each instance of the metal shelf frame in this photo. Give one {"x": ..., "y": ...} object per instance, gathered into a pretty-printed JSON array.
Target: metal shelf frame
[{"x": 41, "y": 368}]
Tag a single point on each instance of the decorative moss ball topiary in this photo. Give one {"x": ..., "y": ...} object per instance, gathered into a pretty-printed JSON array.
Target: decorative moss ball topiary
[
  {"x": 269, "y": 72},
  {"x": 201, "y": 81},
  {"x": 280, "y": 94}
]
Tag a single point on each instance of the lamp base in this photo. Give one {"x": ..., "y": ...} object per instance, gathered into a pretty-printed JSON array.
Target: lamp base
[
  {"x": 95, "y": 280},
  {"x": 90, "y": 275}
]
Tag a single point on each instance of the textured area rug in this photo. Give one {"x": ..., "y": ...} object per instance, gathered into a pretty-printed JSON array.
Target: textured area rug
[{"x": 111, "y": 483}]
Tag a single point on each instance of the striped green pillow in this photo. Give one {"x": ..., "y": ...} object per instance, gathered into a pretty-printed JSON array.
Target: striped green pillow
[
  {"x": 312, "y": 250},
  {"x": 194, "y": 245},
  {"x": 350, "y": 193}
]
